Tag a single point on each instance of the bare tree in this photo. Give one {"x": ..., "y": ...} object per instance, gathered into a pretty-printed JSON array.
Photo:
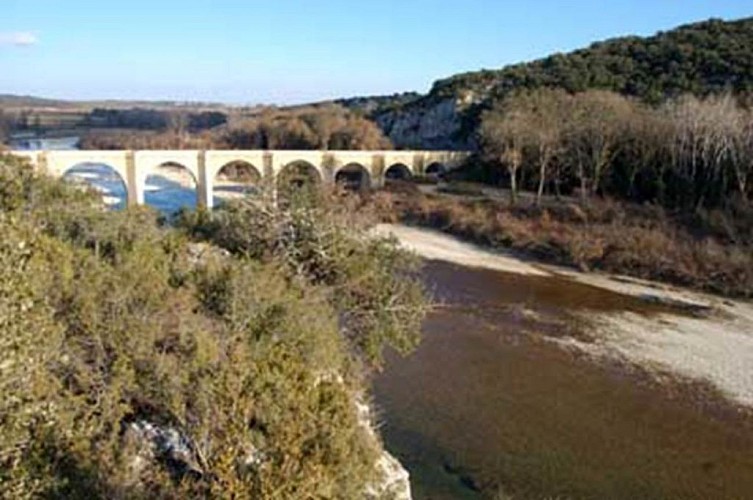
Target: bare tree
[
  {"x": 544, "y": 112},
  {"x": 4, "y": 127},
  {"x": 312, "y": 127},
  {"x": 359, "y": 133},
  {"x": 743, "y": 163},
  {"x": 324, "y": 123},
  {"x": 594, "y": 132},
  {"x": 178, "y": 124},
  {"x": 646, "y": 135},
  {"x": 706, "y": 138},
  {"x": 503, "y": 136}
]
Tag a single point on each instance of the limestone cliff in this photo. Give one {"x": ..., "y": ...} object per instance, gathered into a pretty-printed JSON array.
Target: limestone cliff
[{"x": 432, "y": 122}]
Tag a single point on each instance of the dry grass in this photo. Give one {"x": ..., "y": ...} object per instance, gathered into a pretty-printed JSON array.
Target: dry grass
[{"x": 642, "y": 241}]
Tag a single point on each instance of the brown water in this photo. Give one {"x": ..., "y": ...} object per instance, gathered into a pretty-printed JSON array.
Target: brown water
[{"x": 488, "y": 404}]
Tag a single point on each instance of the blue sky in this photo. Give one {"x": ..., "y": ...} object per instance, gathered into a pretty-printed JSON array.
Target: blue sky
[{"x": 286, "y": 51}]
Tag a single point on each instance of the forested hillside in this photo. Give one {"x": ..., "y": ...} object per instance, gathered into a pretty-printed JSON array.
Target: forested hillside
[
  {"x": 708, "y": 57},
  {"x": 700, "y": 58}
]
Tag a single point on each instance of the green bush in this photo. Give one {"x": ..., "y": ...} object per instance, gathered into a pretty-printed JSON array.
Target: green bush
[
  {"x": 370, "y": 282},
  {"x": 115, "y": 330}
]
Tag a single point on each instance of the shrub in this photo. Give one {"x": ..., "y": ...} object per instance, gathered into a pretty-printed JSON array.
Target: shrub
[
  {"x": 370, "y": 282},
  {"x": 141, "y": 364},
  {"x": 710, "y": 251}
]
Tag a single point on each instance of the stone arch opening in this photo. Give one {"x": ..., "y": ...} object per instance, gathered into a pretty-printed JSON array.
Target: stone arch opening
[
  {"x": 353, "y": 177},
  {"x": 298, "y": 177},
  {"x": 236, "y": 179},
  {"x": 436, "y": 170},
  {"x": 102, "y": 178},
  {"x": 398, "y": 172},
  {"x": 169, "y": 187}
]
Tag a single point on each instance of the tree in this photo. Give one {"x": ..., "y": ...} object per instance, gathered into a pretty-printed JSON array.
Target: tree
[
  {"x": 503, "y": 134},
  {"x": 358, "y": 133},
  {"x": 742, "y": 162},
  {"x": 540, "y": 114},
  {"x": 647, "y": 133},
  {"x": 4, "y": 127},
  {"x": 178, "y": 124},
  {"x": 324, "y": 123},
  {"x": 705, "y": 133},
  {"x": 315, "y": 127},
  {"x": 594, "y": 132}
]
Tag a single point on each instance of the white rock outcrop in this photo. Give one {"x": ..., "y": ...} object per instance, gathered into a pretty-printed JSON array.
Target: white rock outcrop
[{"x": 394, "y": 479}]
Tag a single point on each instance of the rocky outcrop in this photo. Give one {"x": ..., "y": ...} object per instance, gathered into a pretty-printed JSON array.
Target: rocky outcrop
[
  {"x": 164, "y": 446},
  {"x": 432, "y": 123},
  {"x": 168, "y": 446},
  {"x": 153, "y": 444},
  {"x": 393, "y": 480}
]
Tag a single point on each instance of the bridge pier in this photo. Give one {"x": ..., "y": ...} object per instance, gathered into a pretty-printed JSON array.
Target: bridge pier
[
  {"x": 133, "y": 167},
  {"x": 205, "y": 184},
  {"x": 134, "y": 189}
]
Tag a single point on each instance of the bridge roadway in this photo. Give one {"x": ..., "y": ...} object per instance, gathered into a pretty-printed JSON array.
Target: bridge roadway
[{"x": 133, "y": 167}]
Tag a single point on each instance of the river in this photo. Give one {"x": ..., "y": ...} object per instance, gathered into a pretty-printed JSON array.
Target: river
[
  {"x": 493, "y": 403},
  {"x": 505, "y": 398}
]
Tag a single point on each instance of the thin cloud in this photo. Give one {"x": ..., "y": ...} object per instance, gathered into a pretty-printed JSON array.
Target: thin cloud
[{"x": 18, "y": 39}]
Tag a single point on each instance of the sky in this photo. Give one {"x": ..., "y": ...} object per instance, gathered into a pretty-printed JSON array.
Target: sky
[{"x": 288, "y": 51}]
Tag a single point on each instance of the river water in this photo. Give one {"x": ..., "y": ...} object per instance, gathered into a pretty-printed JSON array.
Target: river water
[{"x": 490, "y": 405}]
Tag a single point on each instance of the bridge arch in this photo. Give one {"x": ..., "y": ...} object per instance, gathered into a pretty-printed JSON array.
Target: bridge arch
[
  {"x": 169, "y": 186},
  {"x": 435, "y": 169},
  {"x": 103, "y": 178},
  {"x": 353, "y": 176},
  {"x": 277, "y": 167},
  {"x": 236, "y": 178},
  {"x": 297, "y": 173},
  {"x": 58, "y": 163},
  {"x": 397, "y": 171}
]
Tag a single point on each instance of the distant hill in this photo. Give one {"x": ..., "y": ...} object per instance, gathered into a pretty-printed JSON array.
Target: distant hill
[
  {"x": 701, "y": 58},
  {"x": 26, "y": 101}
]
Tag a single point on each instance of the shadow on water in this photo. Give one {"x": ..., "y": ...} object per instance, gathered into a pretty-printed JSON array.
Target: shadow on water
[{"x": 488, "y": 404}]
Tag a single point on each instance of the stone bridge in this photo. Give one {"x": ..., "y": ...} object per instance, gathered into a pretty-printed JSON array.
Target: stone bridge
[{"x": 369, "y": 168}]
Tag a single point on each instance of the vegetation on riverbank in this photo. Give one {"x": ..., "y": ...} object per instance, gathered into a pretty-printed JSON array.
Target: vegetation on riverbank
[
  {"x": 326, "y": 126},
  {"x": 709, "y": 250},
  {"x": 599, "y": 181},
  {"x": 142, "y": 362},
  {"x": 688, "y": 154}
]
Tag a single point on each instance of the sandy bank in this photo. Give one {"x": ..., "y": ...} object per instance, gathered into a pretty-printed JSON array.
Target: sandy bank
[
  {"x": 716, "y": 347},
  {"x": 435, "y": 245}
]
